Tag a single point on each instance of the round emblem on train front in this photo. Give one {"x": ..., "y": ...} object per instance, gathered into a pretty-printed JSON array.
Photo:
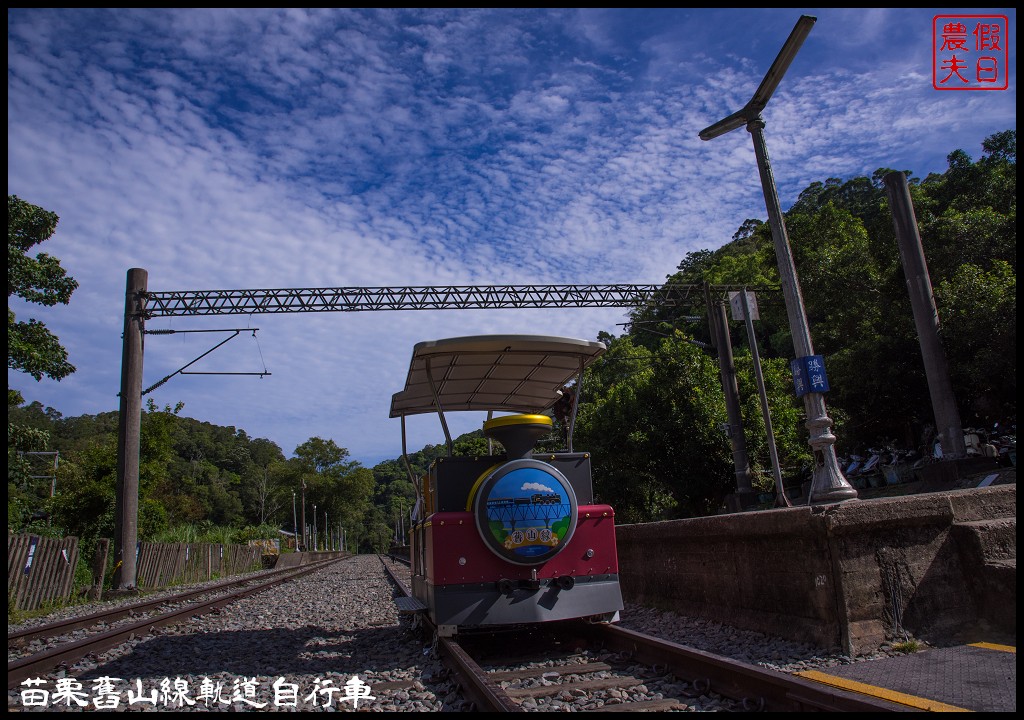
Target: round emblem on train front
[{"x": 525, "y": 511}]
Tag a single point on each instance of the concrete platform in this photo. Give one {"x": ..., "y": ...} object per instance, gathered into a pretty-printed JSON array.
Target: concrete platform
[
  {"x": 978, "y": 678},
  {"x": 850, "y": 575}
]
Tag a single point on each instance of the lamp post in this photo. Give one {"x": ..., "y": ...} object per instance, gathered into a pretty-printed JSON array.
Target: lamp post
[
  {"x": 305, "y": 530},
  {"x": 828, "y": 483}
]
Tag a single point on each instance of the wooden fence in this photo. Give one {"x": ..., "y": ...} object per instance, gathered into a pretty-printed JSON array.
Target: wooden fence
[
  {"x": 42, "y": 569},
  {"x": 163, "y": 564},
  {"x": 39, "y": 570}
]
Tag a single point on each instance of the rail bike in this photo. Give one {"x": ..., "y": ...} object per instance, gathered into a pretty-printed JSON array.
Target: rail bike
[{"x": 514, "y": 537}]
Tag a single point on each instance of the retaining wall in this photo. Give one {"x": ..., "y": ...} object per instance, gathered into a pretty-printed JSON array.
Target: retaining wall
[{"x": 846, "y": 575}]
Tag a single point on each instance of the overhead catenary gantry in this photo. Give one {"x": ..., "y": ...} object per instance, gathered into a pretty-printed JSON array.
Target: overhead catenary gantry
[
  {"x": 454, "y": 297},
  {"x": 142, "y": 304}
]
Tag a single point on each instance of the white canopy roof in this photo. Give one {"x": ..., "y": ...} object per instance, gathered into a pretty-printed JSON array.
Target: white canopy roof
[{"x": 514, "y": 373}]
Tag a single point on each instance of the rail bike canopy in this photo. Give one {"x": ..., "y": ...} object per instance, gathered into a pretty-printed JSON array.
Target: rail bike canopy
[{"x": 513, "y": 373}]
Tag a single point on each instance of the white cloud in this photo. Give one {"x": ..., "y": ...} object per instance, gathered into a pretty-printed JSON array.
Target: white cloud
[{"x": 536, "y": 486}]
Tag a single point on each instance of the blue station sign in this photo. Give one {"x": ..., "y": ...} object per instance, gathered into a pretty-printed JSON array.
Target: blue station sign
[{"x": 809, "y": 375}]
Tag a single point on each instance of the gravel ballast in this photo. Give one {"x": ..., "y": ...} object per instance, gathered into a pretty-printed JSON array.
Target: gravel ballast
[{"x": 329, "y": 641}]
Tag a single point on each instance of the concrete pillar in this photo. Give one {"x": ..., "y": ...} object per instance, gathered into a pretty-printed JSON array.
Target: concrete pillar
[
  {"x": 129, "y": 423},
  {"x": 926, "y": 317}
]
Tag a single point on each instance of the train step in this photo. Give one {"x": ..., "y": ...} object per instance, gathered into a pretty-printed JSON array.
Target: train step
[{"x": 409, "y": 605}]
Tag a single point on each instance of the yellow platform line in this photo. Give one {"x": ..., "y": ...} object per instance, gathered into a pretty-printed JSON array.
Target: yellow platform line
[
  {"x": 994, "y": 646},
  {"x": 880, "y": 692}
]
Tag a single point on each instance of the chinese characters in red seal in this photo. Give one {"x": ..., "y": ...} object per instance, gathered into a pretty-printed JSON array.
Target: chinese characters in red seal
[{"x": 970, "y": 52}]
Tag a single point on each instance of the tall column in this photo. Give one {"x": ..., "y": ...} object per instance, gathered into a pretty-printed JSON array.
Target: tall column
[
  {"x": 718, "y": 323},
  {"x": 827, "y": 483},
  {"x": 129, "y": 423},
  {"x": 926, "y": 317}
]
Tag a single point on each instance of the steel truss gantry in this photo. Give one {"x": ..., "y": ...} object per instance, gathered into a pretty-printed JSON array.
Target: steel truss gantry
[
  {"x": 356, "y": 299},
  {"x": 141, "y": 304}
]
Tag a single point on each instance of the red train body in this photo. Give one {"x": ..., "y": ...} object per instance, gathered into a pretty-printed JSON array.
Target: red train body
[{"x": 512, "y": 538}]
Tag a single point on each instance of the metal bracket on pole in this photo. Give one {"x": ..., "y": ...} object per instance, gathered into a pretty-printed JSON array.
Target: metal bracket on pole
[{"x": 181, "y": 370}]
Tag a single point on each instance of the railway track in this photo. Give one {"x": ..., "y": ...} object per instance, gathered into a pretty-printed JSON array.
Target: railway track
[
  {"x": 267, "y": 643},
  {"x": 71, "y": 640},
  {"x": 604, "y": 668}
]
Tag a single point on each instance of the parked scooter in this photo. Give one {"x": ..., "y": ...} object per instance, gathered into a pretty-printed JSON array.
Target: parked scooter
[{"x": 1004, "y": 439}]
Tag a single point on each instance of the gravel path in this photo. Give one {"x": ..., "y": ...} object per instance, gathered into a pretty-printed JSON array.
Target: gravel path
[{"x": 313, "y": 644}]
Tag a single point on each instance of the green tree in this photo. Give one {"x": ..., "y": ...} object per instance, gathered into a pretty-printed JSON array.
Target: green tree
[
  {"x": 84, "y": 503},
  {"x": 31, "y": 347},
  {"x": 339, "y": 487},
  {"x": 979, "y": 325},
  {"x": 23, "y": 495},
  {"x": 651, "y": 423}
]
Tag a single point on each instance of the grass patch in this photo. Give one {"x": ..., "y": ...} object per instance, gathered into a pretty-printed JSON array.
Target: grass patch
[
  {"x": 907, "y": 646},
  {"x": 15, "y": 617}
]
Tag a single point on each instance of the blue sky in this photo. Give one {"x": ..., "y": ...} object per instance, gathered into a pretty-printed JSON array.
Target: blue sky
[{"x": 272, "y": 148}]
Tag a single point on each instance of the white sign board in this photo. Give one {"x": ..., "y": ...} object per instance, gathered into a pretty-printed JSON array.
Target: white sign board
[{"x": 736, "y": 303}]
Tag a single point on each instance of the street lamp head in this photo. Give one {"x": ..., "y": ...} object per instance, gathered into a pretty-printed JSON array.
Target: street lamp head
[
  {"x": 768, "y": 85},
  {"x": 782, "y": 62},
  {"x": 737, "y": 119}
]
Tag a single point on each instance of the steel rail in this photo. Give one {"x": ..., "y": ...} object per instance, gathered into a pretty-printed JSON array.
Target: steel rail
[
  {"x": 60, "y": 627},
  {"x": 485, "y": 695},
  {"x": 32, "y": 665},
  {"x": 756, "y": 687}
]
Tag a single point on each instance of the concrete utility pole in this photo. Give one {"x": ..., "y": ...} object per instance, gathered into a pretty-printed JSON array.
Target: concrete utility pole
[
  {"x": 129, "y": 423},
  {"x": 926, "y": 317},
  {"x": 718, "y": 323},
  {"x": 780, "y": 491},
  {"x": 828, "y": 483}
]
